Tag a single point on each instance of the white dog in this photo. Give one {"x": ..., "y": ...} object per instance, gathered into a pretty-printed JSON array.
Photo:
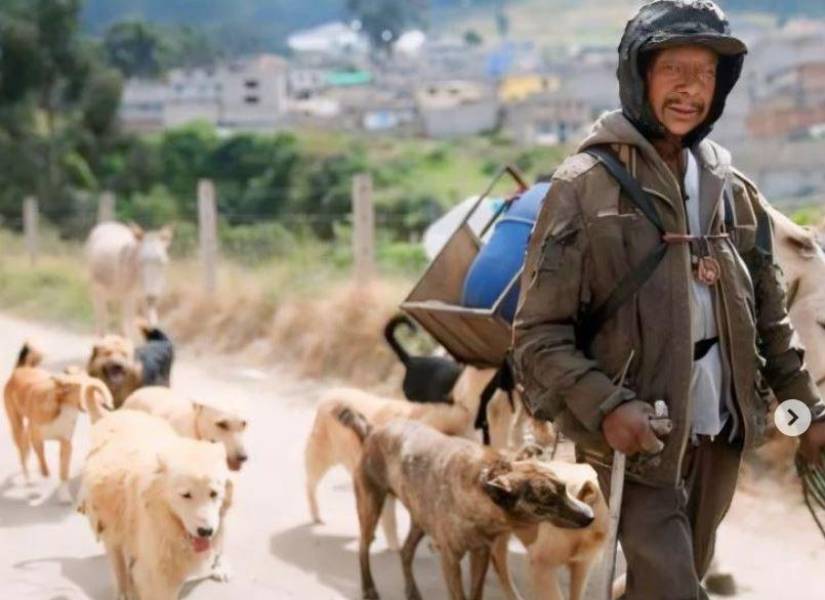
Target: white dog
[
  {"x": 194, "y": 419},
  {"x": 156, "y": 500}
]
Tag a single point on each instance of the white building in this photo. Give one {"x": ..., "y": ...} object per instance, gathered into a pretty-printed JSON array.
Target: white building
[
  {"x": 248, "y": 94},
  {"x": 457, "y": 108},
  {"x": 334, "y": 39},
  {"x": 142, "y": 105}
]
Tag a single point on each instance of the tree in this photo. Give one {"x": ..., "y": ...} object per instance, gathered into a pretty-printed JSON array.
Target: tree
[
  {"x": 56, "y": 98},
  {"x": 384, "y": 20},
  {"x": 473, "y": 38},
  {"x": 134, "y": 48}
]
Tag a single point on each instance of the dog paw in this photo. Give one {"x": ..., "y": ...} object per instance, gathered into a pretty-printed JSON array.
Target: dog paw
[{"x": 221, "y": 572}]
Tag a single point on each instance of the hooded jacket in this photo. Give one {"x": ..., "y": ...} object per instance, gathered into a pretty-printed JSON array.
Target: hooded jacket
[
  {"x": 665, "y": 23},
  {"x": 587, "y": 238}
]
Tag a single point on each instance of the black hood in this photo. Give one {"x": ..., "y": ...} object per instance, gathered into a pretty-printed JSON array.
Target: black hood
[{"x": 665, "y": 23}]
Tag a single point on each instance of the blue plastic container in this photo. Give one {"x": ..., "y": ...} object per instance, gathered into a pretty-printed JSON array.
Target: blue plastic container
[{"x": 502, "y": 257}]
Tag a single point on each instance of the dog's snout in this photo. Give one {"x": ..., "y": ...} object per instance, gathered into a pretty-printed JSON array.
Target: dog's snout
[
  {"x": 205, "y": 532},
  {"x": 242, "y": 458}
]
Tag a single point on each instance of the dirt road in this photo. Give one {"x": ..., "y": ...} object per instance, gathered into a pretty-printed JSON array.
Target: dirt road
[{"x": 47, "y": 552}]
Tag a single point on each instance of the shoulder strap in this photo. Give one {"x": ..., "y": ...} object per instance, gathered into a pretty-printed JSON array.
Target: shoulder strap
[
  {"x": 630, "y": 186},
  {"x": 727, "y": 196},
  {"x": 591, "y": 322}
]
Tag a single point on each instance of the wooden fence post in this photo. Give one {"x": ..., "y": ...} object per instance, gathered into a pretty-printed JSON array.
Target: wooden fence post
[
  {"x": 30, "y": 226},
  {"x": 106, "y": 207},
  {"x": 363, "y": 234},
  {"x": 208, "y": 233}
]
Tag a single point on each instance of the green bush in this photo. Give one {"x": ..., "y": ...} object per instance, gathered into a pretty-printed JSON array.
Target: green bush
[
  {"x": 401, "y": 258},
  {"x": 185, "y": 240},
  {"x": 251, "y": 244}
]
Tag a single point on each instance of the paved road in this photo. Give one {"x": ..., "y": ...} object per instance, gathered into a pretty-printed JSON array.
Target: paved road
[{"x": 47, "y": 552}]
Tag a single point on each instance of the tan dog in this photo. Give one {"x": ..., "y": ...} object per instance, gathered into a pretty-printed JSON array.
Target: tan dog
[
  {"x": 42, "y": 406},
  {"x": 463, "y": 495},
  {"x": 330, "y": 443},
  {"x": 113, "y": 361},
  {"x": 550, "y": 547},
  {"x": 194, "y": 420},
  {"x": 156, "y": 500}
]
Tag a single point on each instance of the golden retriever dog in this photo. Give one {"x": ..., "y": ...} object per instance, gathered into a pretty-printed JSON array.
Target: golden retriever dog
[
  {"x": 330, "y": 443},
  {"x": 463, "y": 495},
  {"x": 43, "y": 406},
  {"x": 195, "y": 420},
  {"x": 156, "y": 500}
]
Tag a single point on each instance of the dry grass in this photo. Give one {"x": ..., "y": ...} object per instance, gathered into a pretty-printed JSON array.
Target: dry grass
[
  {"x": 303, "y": 311},
  {"x": 331, "y": 331}
]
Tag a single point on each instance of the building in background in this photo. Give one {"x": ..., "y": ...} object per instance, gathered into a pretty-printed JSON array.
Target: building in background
[
  {"x": 548, "y": 119},
  {"x": 244, "y": 94},
  {"x": 457, "y": 108}
]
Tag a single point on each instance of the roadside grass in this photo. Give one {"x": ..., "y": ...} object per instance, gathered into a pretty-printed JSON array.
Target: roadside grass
[{"x": 301, "y": 309}]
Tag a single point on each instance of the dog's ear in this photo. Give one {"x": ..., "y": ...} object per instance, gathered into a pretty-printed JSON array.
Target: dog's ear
[
  {"x": 136, "y": 230},
  {"x": 589, "y": 493},
  {"x": 497, "y": 484}
]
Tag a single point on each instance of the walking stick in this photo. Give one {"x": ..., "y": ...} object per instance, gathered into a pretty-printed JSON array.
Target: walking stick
[{"x": 617, "y": 490}]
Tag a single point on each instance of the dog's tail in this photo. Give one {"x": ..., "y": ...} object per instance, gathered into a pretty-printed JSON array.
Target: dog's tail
[
  {"x": 151, "y": 333},
  {"x": 96, "y": 398},
  {"x": 28, "y": 356},
  {"x": 354, "y": 420},
  {"x": 389, "y": 334}
]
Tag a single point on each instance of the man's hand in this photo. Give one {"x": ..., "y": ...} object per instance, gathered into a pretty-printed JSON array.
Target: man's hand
[
  {"x": 812, "y": 442},
  {"x": 632, "y": 428}
]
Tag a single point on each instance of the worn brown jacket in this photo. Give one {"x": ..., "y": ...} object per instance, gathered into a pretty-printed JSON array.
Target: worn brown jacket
[{"x": 588, "y": 236}]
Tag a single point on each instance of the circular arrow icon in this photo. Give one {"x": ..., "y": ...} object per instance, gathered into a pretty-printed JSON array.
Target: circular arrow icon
[{"x": 792, "y": 418}]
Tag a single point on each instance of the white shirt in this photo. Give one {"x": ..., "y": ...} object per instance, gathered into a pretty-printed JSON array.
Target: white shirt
[{"x": 706, "y": 386}]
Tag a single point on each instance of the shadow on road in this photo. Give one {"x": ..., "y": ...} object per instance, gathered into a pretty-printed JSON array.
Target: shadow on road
[
  {"x": 91, "y": 574},
  {"x": 21, "y": 505},
  {"x": 333, "y": 559}
]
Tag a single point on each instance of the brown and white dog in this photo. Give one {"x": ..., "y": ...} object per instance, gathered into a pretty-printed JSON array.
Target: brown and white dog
[
  {"x": 125, "y": 368},
  {"x": 157, "y": 501},
  {"x": 113, "y": 362},
  {"x": 44, "y": 406},
  {"x": 195, "y": 420},
  {"x": 463, "y": 495},
  {"x": 330, "y": 443}
]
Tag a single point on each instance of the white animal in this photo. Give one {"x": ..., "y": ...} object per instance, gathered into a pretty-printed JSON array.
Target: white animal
[
  {"x": 195, "y": 420},
  {"x": 127, "y": 265},
  {"x": 156, "y": 500},
  {"x": 803, "y": 265}
]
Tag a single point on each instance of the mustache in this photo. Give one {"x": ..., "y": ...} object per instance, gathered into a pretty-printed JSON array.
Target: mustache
[{"x": 696, "y": 105}]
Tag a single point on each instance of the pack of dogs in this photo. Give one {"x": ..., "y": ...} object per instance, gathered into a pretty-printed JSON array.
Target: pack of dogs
[
  {"x": 467, "y": 497},
  {"x": 157, "y": 482}
]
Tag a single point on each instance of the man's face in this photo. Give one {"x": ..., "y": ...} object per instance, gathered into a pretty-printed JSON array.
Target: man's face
[{"x": 681, "y": 83}]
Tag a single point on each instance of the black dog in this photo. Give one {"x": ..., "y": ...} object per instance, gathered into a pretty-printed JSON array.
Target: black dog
[
  {"x": 156, "y": 356},
  {"x": 428, "y": 378}
]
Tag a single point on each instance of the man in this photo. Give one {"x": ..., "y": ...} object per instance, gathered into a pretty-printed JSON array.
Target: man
[{"x": 706, "y": 323}]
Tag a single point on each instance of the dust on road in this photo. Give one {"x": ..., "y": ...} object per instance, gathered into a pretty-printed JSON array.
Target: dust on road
[{"x": 47, "y": 552}]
